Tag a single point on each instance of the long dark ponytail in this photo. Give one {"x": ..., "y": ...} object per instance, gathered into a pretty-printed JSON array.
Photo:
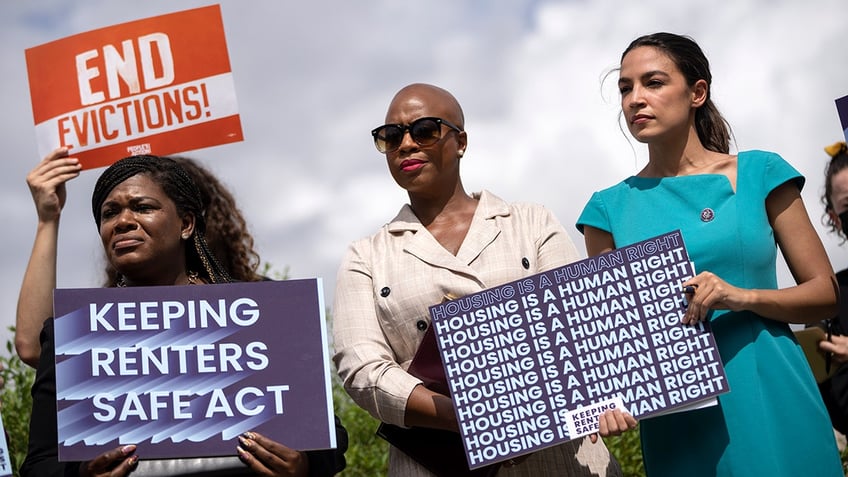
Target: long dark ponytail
[{"x": 713, "y": 130}]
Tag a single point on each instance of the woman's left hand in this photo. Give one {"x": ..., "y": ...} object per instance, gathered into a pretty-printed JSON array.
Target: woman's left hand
[
  {"x": 269, "y": 458},
  {"x": 117, "y": 462},
  {"x": 711, "y": 292},
  {"x": 614, "y": 422}
]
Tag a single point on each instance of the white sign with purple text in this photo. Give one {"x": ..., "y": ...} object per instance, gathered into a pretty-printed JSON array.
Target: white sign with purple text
[
  {"x": 182, "y": 371},
  {"x": 532, "y": 363}
]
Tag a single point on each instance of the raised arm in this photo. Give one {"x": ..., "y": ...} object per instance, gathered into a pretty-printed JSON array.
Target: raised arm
[{"x": 35, "y": 300}]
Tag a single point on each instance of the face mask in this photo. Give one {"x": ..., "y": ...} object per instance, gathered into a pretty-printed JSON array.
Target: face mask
[{"x": 843, "y": 218}]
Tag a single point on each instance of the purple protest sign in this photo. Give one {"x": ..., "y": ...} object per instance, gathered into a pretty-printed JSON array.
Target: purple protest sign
[
  {"x": 842, "y": 109},
  {"x": 532, "y": 363},
  {"x": 182, "y": 371}
]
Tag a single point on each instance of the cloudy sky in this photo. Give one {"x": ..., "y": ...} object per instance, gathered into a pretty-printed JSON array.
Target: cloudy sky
[{"x": 313, "y": 78}]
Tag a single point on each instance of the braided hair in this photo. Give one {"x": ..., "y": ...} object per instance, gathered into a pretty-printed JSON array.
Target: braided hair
[
  {"x": 179, "y": 187},
  {"x": 226, "y": 228}
]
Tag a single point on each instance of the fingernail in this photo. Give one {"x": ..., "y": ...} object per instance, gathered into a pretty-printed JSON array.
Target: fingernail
[
  {"x": 244, "y": 442},
  {"x": 128, "y": 449},
  {"x": 134, "y": 460},
  {"x": 249, "y": 435},
  {"x": 243, "y": 455}
]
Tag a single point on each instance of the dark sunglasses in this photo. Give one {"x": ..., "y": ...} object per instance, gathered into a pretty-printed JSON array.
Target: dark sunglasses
[{"x": 424, "y": 131}]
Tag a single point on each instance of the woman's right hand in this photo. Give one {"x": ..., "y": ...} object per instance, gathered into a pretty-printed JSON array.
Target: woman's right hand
[
  {"x": 118, "y": 462},
  {"x": 711, "y": 292},
  {"x": 47, "y": 183},
  {"x": 837, "y": 346},
  {"x": 614, "y": 422}
]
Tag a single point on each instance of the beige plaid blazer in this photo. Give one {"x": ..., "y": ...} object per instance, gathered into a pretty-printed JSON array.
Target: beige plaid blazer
[{"x": 387, "y": 282}]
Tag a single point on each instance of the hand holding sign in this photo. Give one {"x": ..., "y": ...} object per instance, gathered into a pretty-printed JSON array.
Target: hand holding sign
[
  {"x": 614, "y": 422},
  {"x": 577, "y": 350},
  {"x": 154, "y": 349},
  {"x": 47, "y": 183},
  {"x": 266, "y": 457},
  {"x": 184, "y": 371},
  {"x": 117, "y": 462}
]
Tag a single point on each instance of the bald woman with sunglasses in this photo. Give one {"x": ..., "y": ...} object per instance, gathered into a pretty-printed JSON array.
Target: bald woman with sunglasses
[{"x": 445, "y": 241}]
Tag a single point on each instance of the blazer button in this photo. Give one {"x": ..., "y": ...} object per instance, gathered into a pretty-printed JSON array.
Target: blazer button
[
  {"x": 421, "y": 325},
  {"x": 385, "y": 292},
  {"x": 525, "y": 263}
]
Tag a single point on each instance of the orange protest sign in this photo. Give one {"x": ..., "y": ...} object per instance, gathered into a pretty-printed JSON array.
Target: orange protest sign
[{"x": 159, "y": 85}]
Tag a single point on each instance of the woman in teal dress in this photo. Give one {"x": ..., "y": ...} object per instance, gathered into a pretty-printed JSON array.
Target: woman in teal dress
[{"x": 732, "y": 211}]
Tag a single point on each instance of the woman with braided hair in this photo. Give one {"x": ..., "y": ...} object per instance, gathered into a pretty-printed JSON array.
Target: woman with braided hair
[
  {"x": 150, "y": 218},
  {"x": 226, "y": 234},
  {"x": 226, "y": 228},
  {"x": 133, "y": 177}
]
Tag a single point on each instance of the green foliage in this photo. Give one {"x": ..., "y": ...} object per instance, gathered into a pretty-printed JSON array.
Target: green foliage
[
  {"x": 367, "y": 455},
  {"x": 269, "y": 271},
  {"x": 16, "y": 403},
  {"x": 627, "y": 448},
  {"x": 843, "y": 453}
]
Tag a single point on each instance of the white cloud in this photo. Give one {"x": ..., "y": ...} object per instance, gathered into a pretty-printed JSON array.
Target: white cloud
[{"x": 313, "y": 78}]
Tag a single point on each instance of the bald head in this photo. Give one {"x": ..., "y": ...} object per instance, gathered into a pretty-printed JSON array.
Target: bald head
[{"x": 421, "y": 100}]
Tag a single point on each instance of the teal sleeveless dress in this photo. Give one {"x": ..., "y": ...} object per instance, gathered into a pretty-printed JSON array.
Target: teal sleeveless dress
[{"x": 772, "y": 422}]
